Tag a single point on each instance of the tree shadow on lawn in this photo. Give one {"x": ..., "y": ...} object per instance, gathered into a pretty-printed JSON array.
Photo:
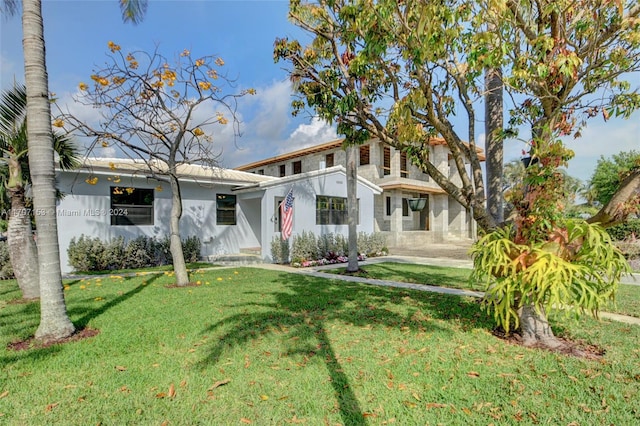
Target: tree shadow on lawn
[
  {"x": 32, "y": 311},
  {"x": 430, "y": 275},
  {"x": 308, "y": 303},
  {"x": 90, "y": 314}
]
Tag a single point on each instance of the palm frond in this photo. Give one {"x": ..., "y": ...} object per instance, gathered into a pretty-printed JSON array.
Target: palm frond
[
  {"x": 133, "y": 10},
  {"x": 13, "y": 110},
  {"x": 9, "y": 8},
  {"x": 69, "y": 155}
]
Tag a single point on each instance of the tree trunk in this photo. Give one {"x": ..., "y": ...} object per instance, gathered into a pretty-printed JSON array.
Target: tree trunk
[
  {"x": 22, "y": 247},
  {"x": 352, "y": 207},
  {"x": 535, "y": 328},
  {"x": 622, "y": 203},
  {"x": 179, "y": 265},
  {"x": 54, "y": 322},
  {"x": 493, "y": 122}
]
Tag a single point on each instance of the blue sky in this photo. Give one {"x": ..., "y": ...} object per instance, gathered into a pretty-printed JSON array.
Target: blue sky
[{"x": 242, "y": 33}]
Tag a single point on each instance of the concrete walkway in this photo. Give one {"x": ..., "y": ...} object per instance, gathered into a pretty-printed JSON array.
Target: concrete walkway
[{"x": 455, "y": 263}]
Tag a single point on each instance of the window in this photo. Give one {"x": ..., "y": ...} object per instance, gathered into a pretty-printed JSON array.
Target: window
[
  {"x": 333, "y": 211},
  {"x": 405, "y": 207},
  {"x": 261, "y": 171},
  {"x": 386, "y": 161},
  {"x": 364, "y": 155},
  {"x": 403, "y": 165},
  {"x": 225, "y": 209},
  {"x": 131, "y": 206},
  {"x": 283, "y": 170},
  {"x": 388, "y": 206},
  {"x": 297, "y": 167},
  {"x": 328, "y": 160}
]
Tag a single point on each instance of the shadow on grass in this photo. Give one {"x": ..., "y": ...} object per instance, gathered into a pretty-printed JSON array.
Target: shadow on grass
[
  {"x": 83, "y": 321},
  {"x": 309, "y": 303},
  {"x": 427, "y": 275}
]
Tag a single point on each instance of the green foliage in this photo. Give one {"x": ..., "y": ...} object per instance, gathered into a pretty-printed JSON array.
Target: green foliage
[
  {"x": 371, "y": 245},
  {"x": 6, "y": 270},
  {"x": 191, "y": 248},
  {"x": 577, "y": 272},
  {"x": 610, "y": 172},
  {"x": 627, "y": 229},
  {"x": 300, "y": 350},
  {"x": 279, "y": 250},
  {"x": 93, "y": 254},
  {"x": 304, "y": 246}
]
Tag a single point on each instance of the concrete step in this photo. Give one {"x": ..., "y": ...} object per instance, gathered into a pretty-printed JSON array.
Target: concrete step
[
  {"x": 235, "y": 259},
  {"x": 257, "y": 251}
]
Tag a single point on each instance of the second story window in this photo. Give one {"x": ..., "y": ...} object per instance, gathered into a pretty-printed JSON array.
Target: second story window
[
  {"x": 328, "y": 160},
  {"x": 403, "y": 165},
  {"x": 261, "y": 171},
  {"x": 283, "y": 170},
  {"x": 386, "y": 161},
  {"x": 297, "y": 167},
  {"x": 364, "y": 155}
]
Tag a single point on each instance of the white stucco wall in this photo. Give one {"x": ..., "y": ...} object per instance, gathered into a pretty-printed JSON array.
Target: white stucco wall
[
  {"x": 85, "y": 210},
  {"x": 306, "y": 187}
]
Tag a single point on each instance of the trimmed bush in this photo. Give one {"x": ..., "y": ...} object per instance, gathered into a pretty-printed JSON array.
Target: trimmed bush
[
  {"x": 625, "y": 230},
  {"x": 92, "y": 254},
  {"x": 304, "y": 247},
  {"x": 309, "y": 250},
  {"x": 6, "y": 270},
  {"x": 279, "y": 250}
]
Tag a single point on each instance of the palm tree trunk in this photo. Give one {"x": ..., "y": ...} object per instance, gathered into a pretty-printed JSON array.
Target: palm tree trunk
[
  {"x": 175, "y": 243},
  {"x": 22, "y": 247},
  {"x": 54, "y": 322},
  {"x": 493, "y": 123},
  {"x": 352, "y": 207}
]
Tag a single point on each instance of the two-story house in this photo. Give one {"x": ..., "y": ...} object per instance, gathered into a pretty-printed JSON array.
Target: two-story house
[{"x": 412, "y": 209}]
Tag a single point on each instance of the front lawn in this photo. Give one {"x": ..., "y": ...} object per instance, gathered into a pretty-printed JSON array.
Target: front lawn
[
  {"x": 627, "y": 301},
  {"x": 253, "y": 346}
]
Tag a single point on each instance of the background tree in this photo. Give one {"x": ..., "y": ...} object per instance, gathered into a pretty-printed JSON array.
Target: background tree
[
  {"x": 15, "y": 177},
  {"x": 150, "y": 110},
  {"x": 419, "y": 64},
  {"x": 609, "y": 174}
]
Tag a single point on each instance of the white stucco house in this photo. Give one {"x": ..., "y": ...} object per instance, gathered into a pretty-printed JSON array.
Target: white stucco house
[
  {"x": 228, "y": 210},
  {"x": 395, "y": 213}
]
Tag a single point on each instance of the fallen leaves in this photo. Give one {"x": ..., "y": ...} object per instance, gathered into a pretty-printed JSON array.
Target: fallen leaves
[
  {"x": 120, "y": 368},
  {"x": 219, "y": 383}
]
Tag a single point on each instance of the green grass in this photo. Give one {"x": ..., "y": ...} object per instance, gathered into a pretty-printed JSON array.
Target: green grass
[
  {"x": 295, "y": 349},
  {"x": 162, "y": 268},
  {"x": 627, "y": 301}
]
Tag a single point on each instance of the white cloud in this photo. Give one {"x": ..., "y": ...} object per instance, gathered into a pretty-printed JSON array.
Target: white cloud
[{"x": 305, "y": 135}]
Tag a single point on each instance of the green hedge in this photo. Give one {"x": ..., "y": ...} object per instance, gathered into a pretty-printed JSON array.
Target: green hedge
[
  {"x": 93, "y": 254},
  {"x": 625, "y": 230},
  {"x": 307, "y": 247}
]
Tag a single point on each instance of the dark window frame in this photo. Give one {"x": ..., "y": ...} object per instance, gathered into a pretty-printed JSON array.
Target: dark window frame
[
  {"x": 138, "y": 212},
  {"x": 333, "y": 210},
  {"x": 283, "y": 170},
  {"x": 296, "y": 167},
  {"x": 365, "y": 155},
  {"x": 329, "y": 160},
  {"x": 386, "y": 161},
  {"x": 404, "y": 172},
  {"x": 226, "y": 209}
]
